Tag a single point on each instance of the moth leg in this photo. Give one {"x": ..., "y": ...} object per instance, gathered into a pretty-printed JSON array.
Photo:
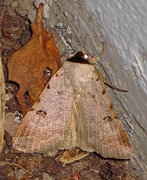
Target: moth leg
[
  {"x": 114, "y": 87},
  {"x": 109, "y": 84}
]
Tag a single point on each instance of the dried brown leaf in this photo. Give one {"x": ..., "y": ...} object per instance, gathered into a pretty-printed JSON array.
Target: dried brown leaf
[{"x": 26, "y": 66}]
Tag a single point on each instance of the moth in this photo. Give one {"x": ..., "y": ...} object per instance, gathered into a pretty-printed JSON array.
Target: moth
[{"x": 74, "y": 110}]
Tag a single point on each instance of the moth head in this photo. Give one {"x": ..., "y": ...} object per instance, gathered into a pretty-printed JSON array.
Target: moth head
[
  {"x": 89, "y": 59},
  {"x": 83, "y": 57},
  {"x": 80, "y": 57}
]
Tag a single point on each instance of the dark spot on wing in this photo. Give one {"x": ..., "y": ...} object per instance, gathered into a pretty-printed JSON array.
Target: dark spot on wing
[
  {"x": 41, "y": 112},
  {"x": 103, "y": 92},
  {"x": 48, "y": 86},
  {"x": 97, "y": 79},
  {"x": 45, "y": 112},
  {"x": 107, "y": 119},
  {"x": 79, "y": 58},
  {"x": 57, "y": 75},
  {"x": 92, "y": 78}
]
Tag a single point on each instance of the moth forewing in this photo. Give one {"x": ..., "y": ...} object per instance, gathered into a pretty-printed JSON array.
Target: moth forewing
[
  {"x": 47, "y": 133},
  {"x": 74, "y": 110}
]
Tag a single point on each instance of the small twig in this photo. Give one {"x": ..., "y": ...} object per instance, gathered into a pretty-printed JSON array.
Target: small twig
[{"x": 17, "y": 165}]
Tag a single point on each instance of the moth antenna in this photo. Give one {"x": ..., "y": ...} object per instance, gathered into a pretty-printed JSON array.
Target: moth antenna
[
  {"x": 114, "y": 87},
  {"x": 94, "y": 59}
]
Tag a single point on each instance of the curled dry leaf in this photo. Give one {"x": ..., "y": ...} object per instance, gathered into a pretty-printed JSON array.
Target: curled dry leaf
[
  {"x": 26, "y": 66},
  {"x": 2, "y": 105}
]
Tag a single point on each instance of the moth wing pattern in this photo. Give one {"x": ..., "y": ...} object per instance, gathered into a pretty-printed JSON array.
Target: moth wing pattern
[
  {"x": 97, "y": 126},
  {"x": 74, "y": 110},
  {"x": 103, "y": 132},
  {"x": 45, "y": 128}
]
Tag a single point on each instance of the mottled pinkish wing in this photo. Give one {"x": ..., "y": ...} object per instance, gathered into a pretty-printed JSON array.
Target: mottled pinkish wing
[
  {"x": 97, "y": 126},
  {"x": 103, "y": 132},
  {"x": 46, "y": 126},
  {"x": 74, "y": 110}
]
